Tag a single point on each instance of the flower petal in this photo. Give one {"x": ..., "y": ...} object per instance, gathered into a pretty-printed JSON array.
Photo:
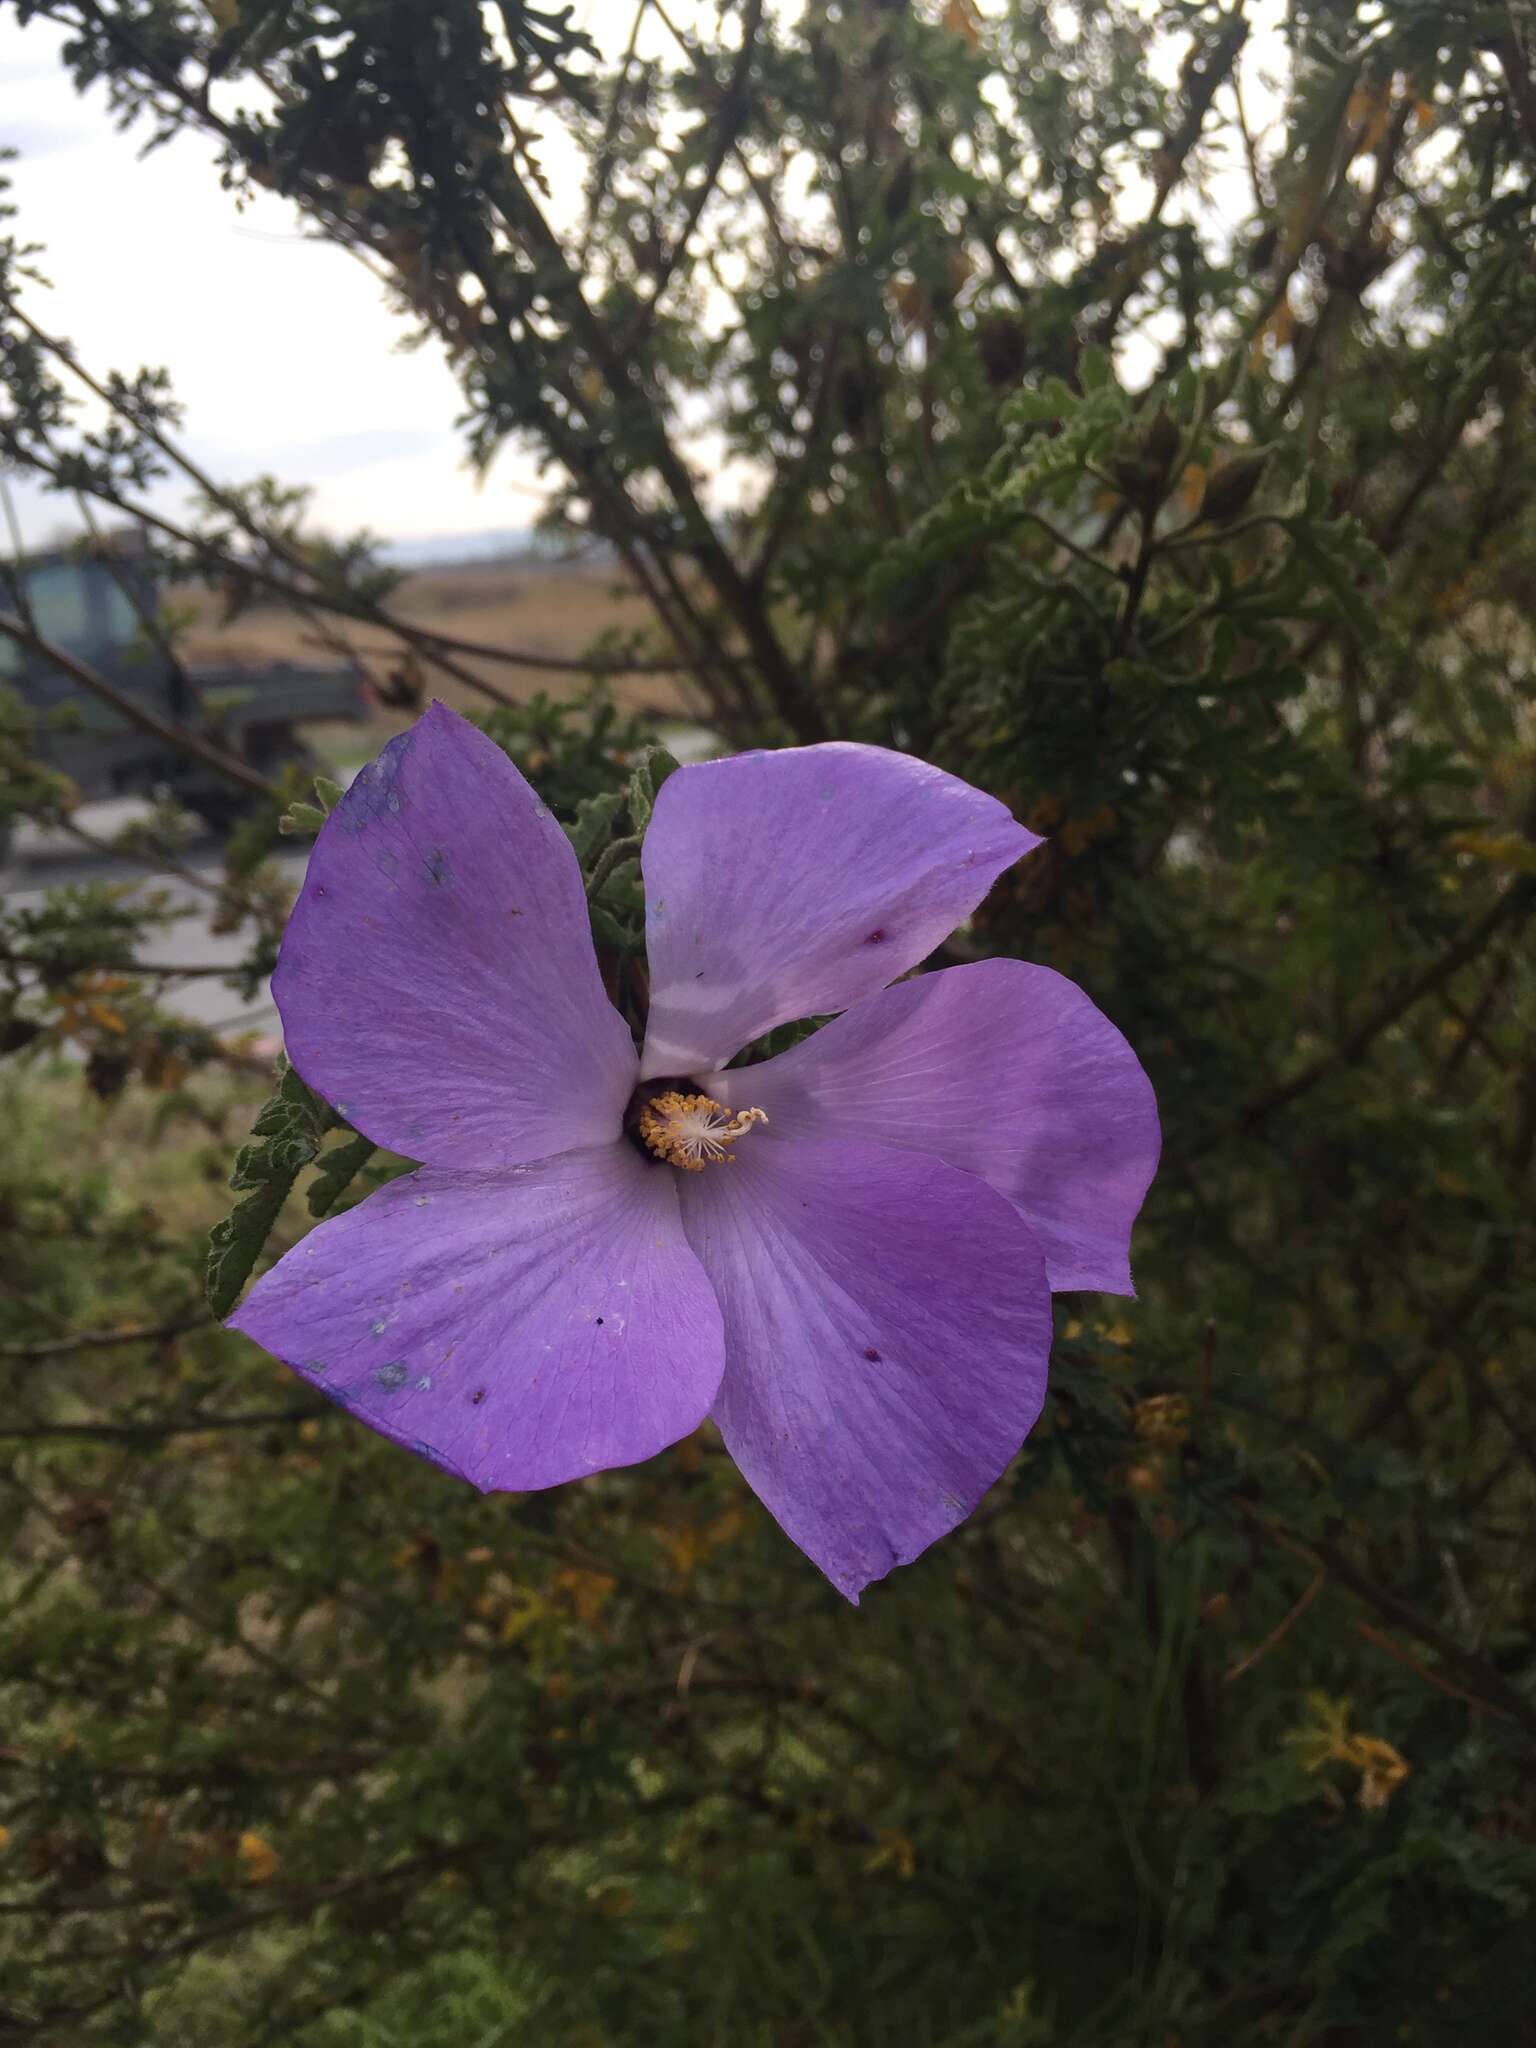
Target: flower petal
[
  {"x": 437, "y": 980},
  {"x": 887, "y": 1326},
  {"x": 520, "y": 1328},
  {"x": 1003, "y": 1068},
  {"x": 781, "y": 885}
]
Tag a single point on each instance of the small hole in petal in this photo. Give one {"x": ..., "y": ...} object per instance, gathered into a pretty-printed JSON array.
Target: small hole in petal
[
  {"x": 477, "y": 1397},
  {"x": 877, "y": 937},
  {"x": 872, "y": 1355}
]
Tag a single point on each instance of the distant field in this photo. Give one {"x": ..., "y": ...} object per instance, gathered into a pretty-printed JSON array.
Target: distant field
[{"x": 536, "y": 607}]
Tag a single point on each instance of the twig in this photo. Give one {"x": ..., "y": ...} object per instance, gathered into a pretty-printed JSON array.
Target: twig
[
  {"x": 160, "y": 970},
  {"x": 1493, "y": 1689},
  {"x": 133, "y": 1432},
  {"x": 613, "y": 857},
  {"x": 1383, "y": 1641},
  {"x": 1172, "y": 157},
  {"x": 726, "y": 123},
  {"x": 527, "y": 220},
  {"x": 424, "y": 638},
  {"x": 1517, "y": 72},
  {"x": 156, "y": 863},
  {"x": 296, "y": 1906},
  {"x": 170, "y": 731},
  {"x": 1515, "y": 904},
  {"x": 603, "y": 158},
  {"x": 1278, "y": 1633},
  {"x": 102, "y": 1340}
]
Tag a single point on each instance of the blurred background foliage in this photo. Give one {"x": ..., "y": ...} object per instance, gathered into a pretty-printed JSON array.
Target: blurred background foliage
[{"x": 1157, "y": 452}]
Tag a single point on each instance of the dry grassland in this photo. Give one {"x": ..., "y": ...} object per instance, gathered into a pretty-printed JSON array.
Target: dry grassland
[{"x": 537, "y": 608}]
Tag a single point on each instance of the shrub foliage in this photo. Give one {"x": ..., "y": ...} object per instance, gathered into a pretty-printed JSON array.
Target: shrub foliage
[{"x": 1135, "y": 416}]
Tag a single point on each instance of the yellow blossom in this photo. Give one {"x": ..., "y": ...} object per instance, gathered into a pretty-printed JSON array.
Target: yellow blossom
[
  {"x": 258, "y": 1859},
  {"x": 1162, "y": 1420},
  {"x": 894, "y": 1852},
  {"x": 588, "y": 1592},
  {"x": 1328, "y": 1739}
]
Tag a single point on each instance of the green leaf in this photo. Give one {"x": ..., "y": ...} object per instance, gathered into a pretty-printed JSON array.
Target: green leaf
[
  {"x": 1096, "y": 370},
  {"x": 300, "y": 818},
  {"x": 645, "y": 784},
  {"x": 1229, "y": 488},
  {"x": 287, "y": 1132},
  {"x": 607, "y": 931},
  {"x": 594, "y": 821},
  {"x": 1341, "y": 569},
  {"x": 235, "y": 1244},
  {"x": 338, "y": 1168}
]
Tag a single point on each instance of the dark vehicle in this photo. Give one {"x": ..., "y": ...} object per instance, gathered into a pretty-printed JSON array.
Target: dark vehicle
[{"x": 93, "y": 603}]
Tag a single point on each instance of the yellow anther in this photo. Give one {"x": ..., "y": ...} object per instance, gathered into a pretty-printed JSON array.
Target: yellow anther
[{"x": 693, "y": 1131}]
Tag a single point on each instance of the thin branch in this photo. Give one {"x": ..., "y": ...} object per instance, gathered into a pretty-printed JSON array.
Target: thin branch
[
  {"x": 613, "y": 857},
  {"x": 160, "y": 970},
  {"x": 103, "y": 1340},
  {"x": 1387, "y": 534},
  {"x": 1491, "y": 1688},
  {"x": 18, "y": 553},
  {"x": 787, "y": 494},
  {"x": 423, "y": 638},
  {"x": 1512, "y": 907},
  {"x": 526, "y": 220},
  {"x": 295, "y": 1906},
  {"x": 1171, "y": 159},
  {"x": 145, "y": 613},
  {"x": 1263, "y": 201},
  {"x": 168, "y": 730},
  {"x": 135, "y": 1432},
  {"x": 1278, "y": 1633},
  {"x": 726, "y": 123},
  {"x": 604, "y": 156},
  {"x": 1383, "y": 1641},
  {"x": 156, "y": 863},
  {"x": 1517, "y": 72}
]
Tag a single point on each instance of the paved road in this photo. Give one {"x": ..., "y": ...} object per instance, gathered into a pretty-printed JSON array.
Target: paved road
[{"x": 40, "y": 862}]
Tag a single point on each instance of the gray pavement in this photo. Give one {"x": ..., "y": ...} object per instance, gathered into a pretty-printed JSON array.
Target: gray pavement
[{"x": 42, "y": 861}]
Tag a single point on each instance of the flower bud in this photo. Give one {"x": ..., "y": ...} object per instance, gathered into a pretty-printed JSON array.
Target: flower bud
[{"x": 1229, "y": 488}]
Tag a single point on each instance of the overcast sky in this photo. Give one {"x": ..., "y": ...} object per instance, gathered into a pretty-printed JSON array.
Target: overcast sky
[{"x": 281, "y": 348}]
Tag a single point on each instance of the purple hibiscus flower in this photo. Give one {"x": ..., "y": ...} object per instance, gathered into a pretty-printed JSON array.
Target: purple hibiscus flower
[{"x": 843, "y": 1255}]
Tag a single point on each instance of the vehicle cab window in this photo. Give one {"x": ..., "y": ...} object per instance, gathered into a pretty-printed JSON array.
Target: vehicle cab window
[
  {"x": 80, "y": 609},
  {"x": 60, "y": 599}
]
